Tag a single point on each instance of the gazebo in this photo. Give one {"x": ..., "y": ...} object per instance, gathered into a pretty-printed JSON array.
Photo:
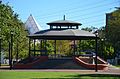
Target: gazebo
[{"x": 61, "y": 30}]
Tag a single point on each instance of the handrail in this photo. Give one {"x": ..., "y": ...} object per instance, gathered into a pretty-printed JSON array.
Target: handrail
[{"x": 90, "y": 66}]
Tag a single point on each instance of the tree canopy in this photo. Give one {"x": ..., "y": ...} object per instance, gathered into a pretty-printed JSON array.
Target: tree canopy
[
  {"x": 113, "y": 30},
  {"x": 10, "y": 22}
]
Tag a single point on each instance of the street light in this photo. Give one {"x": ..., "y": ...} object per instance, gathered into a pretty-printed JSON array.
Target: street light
[
  {"x": 11, "y": 47},
  {"x": 96, "y": 49},
  {"x": 0, "y": 47},
  {"x": 102, "y": 49},
  {"x": 0, "y": 50}
]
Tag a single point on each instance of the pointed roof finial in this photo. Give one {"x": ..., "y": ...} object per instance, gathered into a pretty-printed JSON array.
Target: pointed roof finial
[
  {"x": 30, "y": 14},
  {"x": 64, "y": 17}
]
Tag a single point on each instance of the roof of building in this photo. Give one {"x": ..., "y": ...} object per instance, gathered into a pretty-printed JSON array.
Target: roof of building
[
  {"x": 31, "y": 25},
  {"x": 64, "y": 22},
  {"x": 63, "y": 34}
]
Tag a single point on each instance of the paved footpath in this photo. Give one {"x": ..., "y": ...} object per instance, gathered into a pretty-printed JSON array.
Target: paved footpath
[{"x": 111, "y": 70}]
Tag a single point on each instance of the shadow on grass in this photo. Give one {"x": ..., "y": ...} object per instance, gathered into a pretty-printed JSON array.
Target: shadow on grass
[
  {"x": 89, "y": 76},
  {"x": 94, "y": 75},
  {"x": 56, "y": 78}
]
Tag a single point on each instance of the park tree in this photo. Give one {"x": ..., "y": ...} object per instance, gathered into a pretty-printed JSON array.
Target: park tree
[
  {"x": 113, "y": 30},
  {"x": 88, "y": 44},
  {"x": 105, "y": 48},
  {"x": 9, "y": 22},
  {"x": 62, "y": 47}
]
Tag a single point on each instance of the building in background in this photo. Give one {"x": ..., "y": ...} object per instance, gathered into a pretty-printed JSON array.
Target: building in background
[
  {"x": 109, "y": 17},
  {"x": 31, "y": 25}
]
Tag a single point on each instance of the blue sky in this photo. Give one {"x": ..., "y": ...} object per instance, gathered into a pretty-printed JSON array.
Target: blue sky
[{"x": 88, "y": 12}]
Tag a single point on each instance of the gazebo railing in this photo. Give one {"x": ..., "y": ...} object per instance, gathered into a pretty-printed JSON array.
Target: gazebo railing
[{"x": 58, "y": 56}]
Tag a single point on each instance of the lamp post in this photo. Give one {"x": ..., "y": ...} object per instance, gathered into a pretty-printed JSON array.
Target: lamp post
[
  {"x": 96, "y": 50},
  {"x": 102, "y": 49},
  {"x": 9, "y": 52},
  {"x": 11, "y": 47},
  {"x": 0, "y": 50},
  {"x": 17, "y": 51},
  {"x": 0, "y": 47}
]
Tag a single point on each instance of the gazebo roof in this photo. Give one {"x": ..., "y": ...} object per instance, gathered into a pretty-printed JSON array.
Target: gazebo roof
[
  {"x": 63, "y": 34},
  {"x": 64, "y": 22}
]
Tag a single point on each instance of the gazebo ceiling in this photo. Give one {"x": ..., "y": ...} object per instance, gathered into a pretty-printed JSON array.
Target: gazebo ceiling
[{"x": 66, "y": 34}]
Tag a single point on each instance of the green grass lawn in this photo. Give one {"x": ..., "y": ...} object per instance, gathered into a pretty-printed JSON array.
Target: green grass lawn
[
  {"x": 52, "y": 75},
  {"x": 4, "y": 64},
  {"x": 117, "y": 66}
]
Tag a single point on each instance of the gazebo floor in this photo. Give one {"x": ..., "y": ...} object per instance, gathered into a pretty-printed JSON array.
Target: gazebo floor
[
  {"x": 43, "y": 62},
  {"x": 59, "y": 64}
]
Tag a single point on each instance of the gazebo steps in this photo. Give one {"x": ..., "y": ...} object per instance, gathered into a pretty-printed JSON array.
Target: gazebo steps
[
  {"x": 43, "y": 62},
  {"x": 102, "y": 65},
  {"x": 28, "y": 63}
]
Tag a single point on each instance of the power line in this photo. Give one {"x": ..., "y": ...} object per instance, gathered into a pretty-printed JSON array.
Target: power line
[
  {"x": 79, "y": 9},
  {"x": 91, "y": 13},
  {"x": 61, "y": 11},
  {"x": 76, "y": 8},
  {"x": 89, "y": 17},
  {"x": 94, "y": 21},
  {"x": 50, "y": 15},
  {"x": 74, "y": 12},
  {"x": 91, "y": 8},
  {"x": 99, "y": 22}
]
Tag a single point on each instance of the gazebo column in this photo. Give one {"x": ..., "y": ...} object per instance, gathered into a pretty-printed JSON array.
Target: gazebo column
[
  {"x": 51, "y": 27},
  {"x": 55, "y": 49},
  {"x": 79, "y": 45},
  {"x": 60, "y": 27},
  {"x": 34, "y": 46},
  {"x": 45, "y": 48},
  {"x": 41, "y": 45},
  {"x": 74, "y": 48},
  {"x": 29, "y": 47},
  {"x": 77, "y": 27},
  {"x": 68, "y": 27}
]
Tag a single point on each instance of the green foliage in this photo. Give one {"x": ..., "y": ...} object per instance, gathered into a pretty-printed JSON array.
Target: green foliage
[
  {"x": 113, "y": 30},
  {"x": 87, "y": 45},
  {"x": 9, "y": 22},
  {"x": 50, "y": 46},
  {"x": 105, "y": 48},
  {"x": 108, "y": 51},
  {"x": 82, "y": 53},
  {"x": 62, "y": 47}
]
